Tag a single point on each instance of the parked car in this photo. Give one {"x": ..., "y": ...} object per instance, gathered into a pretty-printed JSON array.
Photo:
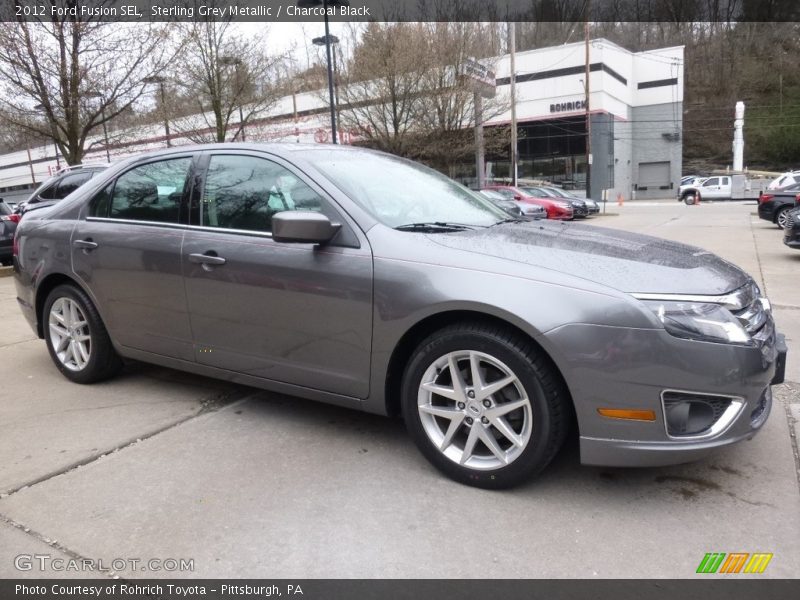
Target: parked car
[
  {"x": 58, "y": 187},
  {"x": 490, "y": 336},
  {"x": 579, "y": 208},
  {"x": 791, "y": 231},
  {"x": 556, "y": 209},
  {"x": 784, "y": 179},
  {"x": 774, "y": 205},
  {"x": 8, "y": 225},
  {"x": 592, "y": 207},
  {"x": 515, "y": 209}
]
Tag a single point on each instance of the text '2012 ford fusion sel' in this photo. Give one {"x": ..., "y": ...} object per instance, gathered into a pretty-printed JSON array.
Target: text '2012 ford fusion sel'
[{"x": 301, "y": 269}]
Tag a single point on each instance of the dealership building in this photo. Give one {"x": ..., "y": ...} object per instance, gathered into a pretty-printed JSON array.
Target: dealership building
[
  {"x": 636, "y": 112},
  {"x": 635, "y": 107}
]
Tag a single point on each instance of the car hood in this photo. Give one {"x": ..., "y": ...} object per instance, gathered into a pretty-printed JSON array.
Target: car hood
[{"x": 625, "y": 261}]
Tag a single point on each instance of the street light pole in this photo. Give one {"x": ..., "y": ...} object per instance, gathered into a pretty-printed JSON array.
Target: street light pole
[
  {"x": 330, "y": 74},
  {"x": 325, "y": 4},
  {"x": 587, "y": 91},
  {"x": 512, "y": 43}
]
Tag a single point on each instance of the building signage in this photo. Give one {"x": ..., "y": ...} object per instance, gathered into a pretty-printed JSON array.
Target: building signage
[
  {"x": 568, "y": 106},
  {"x": 481, "y": 76}
]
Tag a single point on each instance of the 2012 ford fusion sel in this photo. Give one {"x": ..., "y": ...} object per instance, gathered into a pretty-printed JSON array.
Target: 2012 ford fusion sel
[{"x": 361, "y": 279}]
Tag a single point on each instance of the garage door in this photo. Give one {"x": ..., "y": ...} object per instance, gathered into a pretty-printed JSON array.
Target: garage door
[{"x": 654, "y": 175}]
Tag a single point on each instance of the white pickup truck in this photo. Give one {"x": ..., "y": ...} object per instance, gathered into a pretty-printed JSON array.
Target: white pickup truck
[{"x": 724, "y": 187}]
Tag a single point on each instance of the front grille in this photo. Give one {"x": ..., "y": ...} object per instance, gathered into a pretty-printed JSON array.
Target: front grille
[{"x": 751, "y": 309}]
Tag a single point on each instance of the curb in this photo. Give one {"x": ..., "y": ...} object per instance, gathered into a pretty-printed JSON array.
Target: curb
[{"x": 6, "y": 271}]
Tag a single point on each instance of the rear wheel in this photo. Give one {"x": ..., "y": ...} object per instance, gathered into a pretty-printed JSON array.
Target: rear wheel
[
  {"x": 484, "y": 405},
  {"x": 782, "y": 216},
  {"x": 76, "y": 337},
  {"x": 691, "y": 198}
]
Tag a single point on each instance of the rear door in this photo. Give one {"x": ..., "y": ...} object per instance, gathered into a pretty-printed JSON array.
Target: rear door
[
  {"x": 295, "y": 313},
  {"x": 127, "y": 251}
]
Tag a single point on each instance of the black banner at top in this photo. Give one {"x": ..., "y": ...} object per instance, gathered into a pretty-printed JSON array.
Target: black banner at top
[{"x": 401, "y": 10}]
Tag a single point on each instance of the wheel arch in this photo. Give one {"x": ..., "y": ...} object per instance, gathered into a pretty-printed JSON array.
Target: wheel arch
[
  {"x": 47, "y": 285},
  {"x": 430, "y": 324}
]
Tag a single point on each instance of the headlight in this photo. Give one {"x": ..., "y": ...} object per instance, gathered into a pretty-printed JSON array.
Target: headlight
[{"x": 699, "y": 321}]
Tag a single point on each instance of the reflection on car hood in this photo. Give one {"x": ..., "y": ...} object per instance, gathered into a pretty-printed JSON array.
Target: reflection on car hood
[{"x": 629, "y": 262}]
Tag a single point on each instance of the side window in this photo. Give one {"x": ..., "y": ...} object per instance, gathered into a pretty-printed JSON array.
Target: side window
[
  {"x": 726, "y": 181},
  {"x": 151, "y": 192},
  {"x": 711, "y": 181},
  {"x": 49, "y": 192},
  {"x": 244, "y": 192},
  {"x": 70, "y": 183}
]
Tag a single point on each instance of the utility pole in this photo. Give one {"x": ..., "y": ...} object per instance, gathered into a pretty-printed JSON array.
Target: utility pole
[
  {"x": 479, "y": 148},
  {"x": 586, "y": 106},
  {"x": 512, "y": 45}
]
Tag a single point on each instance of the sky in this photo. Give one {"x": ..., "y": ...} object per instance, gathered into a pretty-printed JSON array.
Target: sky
[{"x": 283, "y": 37}]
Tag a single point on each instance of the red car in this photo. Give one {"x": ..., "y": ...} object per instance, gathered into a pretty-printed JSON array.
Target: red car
[{"x": 556, "y": 209}]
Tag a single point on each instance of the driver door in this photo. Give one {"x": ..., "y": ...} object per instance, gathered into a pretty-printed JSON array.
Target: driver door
[{"x": 295, "y": 313}]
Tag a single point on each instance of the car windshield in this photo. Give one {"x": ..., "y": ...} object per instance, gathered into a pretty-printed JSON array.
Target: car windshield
[
  {"x": 558, "y": 192},
  {"x": 537, "y": 192},
  {"x": 398, "y": 192}
]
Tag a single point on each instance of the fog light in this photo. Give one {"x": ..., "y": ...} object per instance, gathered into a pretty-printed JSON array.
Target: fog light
[{"x": 688, "y": 414}]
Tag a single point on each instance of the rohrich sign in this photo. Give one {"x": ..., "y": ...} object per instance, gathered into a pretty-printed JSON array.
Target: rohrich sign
[{"x": 568, "y": 106}]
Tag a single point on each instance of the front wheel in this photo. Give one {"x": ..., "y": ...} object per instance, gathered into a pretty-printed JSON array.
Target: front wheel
[
  {"x": 484, "y": 405},
  {"x": 76, "y": 337},
  {"x": 782, "y": 217}
]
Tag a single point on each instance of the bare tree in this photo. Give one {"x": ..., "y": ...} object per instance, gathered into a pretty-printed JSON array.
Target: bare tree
[
  {"x": 231, "y": 78},
  {"x": 381, "y": 85},
  {"x": 63, "y": 78},
  {"x": 445, "y": 110}
]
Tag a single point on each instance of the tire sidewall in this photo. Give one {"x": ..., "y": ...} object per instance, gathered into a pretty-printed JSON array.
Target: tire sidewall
[
  {"x": 535, "y": 456},
  {"x": 86, "y": 374}
]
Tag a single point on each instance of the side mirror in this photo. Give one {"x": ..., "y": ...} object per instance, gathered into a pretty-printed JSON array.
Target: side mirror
[
  {"x": 517, "y": 197},
  {"x": 303, "y": 227}
]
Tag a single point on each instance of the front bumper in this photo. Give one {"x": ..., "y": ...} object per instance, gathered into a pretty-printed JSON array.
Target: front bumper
[
  {"x": 631, "y": 369},
  {"x": 791, "y": 237}
]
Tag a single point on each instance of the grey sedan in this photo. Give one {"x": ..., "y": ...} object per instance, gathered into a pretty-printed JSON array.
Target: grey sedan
[{"x": 297, "y": 269}]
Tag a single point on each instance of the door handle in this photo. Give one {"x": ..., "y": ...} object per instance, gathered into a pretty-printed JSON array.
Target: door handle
[
  {"x": 85, "y": 244},
  {"x": 206, "y": 259}
]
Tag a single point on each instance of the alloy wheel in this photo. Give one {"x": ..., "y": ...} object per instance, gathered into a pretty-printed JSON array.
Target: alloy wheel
[
  {"x": 69, "y": 334},
  {"x": 783, "y": 216},
  {"x": 475, "y": 410}
]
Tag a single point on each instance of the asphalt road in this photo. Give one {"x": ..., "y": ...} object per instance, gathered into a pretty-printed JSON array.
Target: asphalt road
[{"x": 160, "y": 465}]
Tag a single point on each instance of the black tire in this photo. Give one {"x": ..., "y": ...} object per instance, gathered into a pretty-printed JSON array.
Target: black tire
[
  {"x": 782, "y": 214},
  {"x": 549, "y": 402},
  {"x": 689, "y": 199},
  {"x": 103, "y": 361}
]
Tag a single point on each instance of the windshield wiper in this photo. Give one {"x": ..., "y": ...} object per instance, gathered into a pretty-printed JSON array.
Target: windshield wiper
[
  {"x": 434, "y": 226},
  {"x": 511, "y": 220}
]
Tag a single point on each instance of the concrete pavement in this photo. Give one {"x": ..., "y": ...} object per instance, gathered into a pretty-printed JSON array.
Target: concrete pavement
[{"x": 273, "y": 486}]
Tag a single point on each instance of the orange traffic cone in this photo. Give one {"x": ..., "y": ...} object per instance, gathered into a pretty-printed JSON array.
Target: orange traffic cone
[{"x": 620, "y": 199}]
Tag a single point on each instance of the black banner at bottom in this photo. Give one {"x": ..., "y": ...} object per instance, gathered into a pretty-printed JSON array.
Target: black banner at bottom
[{"x": 383, "y": 589}]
